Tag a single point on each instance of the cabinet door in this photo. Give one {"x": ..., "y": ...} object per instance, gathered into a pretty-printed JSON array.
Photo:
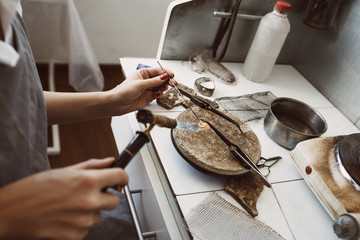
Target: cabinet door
[
  {"x": 146, "y": 204},
  {"x": 147, "y": 207}
]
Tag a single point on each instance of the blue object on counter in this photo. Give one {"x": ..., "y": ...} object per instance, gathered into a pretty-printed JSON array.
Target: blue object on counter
[{"x": 140, "y": 66}]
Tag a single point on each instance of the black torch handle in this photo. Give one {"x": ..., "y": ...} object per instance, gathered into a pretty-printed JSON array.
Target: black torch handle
[{"x": 136, "y": 143}]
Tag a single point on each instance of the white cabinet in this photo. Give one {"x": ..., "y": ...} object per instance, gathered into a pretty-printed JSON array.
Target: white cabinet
[{"x": 156, "y": 208}]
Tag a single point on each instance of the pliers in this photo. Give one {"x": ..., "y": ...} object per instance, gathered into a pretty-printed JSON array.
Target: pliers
[
  {"x": 205, "y": 105},
  {"x": 240, "y": 155}
]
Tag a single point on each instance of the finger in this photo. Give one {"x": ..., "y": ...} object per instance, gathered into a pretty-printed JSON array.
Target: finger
[
  {"x": 62, "y": 230},
  {"x": 157, "y": 83},
  {"x": 73, "y": 233},
  {"x": 95, "y": 163},
  {"x": 158, "y": 94},
  {"x": 108, "y": 201},
  {"x": 86, "y": 220},
  {"x": 82, "y": 219},
  {"x": 152, "y": 72},
  {"x": 164, "y": 88},
  {"x": 97, "y": 217},
  {"x": 173, "y": 83},
  {"x": 109, "y": 177}
]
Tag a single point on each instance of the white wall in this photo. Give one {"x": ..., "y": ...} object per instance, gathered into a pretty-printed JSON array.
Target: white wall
[{"x": 123, "y": 28}]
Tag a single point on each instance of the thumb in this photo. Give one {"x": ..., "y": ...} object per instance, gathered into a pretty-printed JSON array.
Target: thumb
[{"x": 95, "y": 163}]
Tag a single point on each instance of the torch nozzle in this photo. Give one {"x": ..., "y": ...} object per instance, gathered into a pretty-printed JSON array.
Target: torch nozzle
[{"x": 146, "y": 116}]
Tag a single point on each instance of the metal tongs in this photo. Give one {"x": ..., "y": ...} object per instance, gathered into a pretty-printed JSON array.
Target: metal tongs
[
  {"x": 205, "y": 105},
  {"x": 240, "y": 155}
]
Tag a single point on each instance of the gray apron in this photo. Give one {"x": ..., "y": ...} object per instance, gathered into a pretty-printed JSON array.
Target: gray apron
[
  {"x": 23, "y": 133},
  {"x": 23, "y": 123}
]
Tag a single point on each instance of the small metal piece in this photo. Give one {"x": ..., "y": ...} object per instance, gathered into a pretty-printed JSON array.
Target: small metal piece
[
  {"x": 239, "y": 16},
  {"x": 177, "y": 89},
  {"x": 149, "y": 234},
  {"x": 202, "y": 124},
  {"x": 136, "y": 190},
  {"x": 240, "y": 155},
  {"x": 205, "y": 86}
]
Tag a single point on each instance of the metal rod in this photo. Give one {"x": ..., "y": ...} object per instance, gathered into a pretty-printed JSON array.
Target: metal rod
[
  {"x": 55, "y": 148},
  {"x": 240, "y": 155},
  {"x": 240, "y": 16},
  {"x": 182, "y": 96},
  {"x": 149, "y": 235},
  {"x": 133, "y": 213},
  {"x": 133, "y": 191}
]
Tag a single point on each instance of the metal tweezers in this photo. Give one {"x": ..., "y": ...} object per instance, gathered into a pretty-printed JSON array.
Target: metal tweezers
[
  {"x": 241, "y": 156},
  {"x": 205, "y": 105}
]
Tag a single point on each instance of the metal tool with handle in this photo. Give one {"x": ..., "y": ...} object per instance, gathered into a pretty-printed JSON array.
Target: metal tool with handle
[
  {"x": 178, "y": 90},
  {"x": 205, "y": 105},
  {"x": 136, "y": 143},
  {"x": 240, "y": 155},
  {"x": 139, "y": 140}
]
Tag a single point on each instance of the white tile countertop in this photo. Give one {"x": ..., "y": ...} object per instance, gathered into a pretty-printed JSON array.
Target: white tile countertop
[{"x": 289, "y": 207}]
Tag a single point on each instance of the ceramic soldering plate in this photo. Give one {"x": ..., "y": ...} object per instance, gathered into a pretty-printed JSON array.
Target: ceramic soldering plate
[{"x": 203, "y": 148}]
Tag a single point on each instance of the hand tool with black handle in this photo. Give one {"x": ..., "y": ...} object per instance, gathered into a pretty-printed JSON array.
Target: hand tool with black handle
[
  {"x": 240, "y": 155},
  {"x": 141, "y": 138},
  {"x": 205, "y": 105}
]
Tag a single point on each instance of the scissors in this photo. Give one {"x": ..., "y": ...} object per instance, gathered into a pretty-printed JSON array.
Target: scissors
[{"x": 240, "y": 155}]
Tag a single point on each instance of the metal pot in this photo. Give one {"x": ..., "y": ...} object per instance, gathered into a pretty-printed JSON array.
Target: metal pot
[{"x": 290, "y": 121}]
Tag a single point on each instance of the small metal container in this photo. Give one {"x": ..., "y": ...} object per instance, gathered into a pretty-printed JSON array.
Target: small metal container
[
  {"x": 205, "y": 86},
  {"x": 290, "y": 121}
]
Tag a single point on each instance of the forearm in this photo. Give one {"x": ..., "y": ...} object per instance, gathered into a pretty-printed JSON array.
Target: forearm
[
  {"x": 72, "y": 107},
  {"x": 134, "y": 93}
]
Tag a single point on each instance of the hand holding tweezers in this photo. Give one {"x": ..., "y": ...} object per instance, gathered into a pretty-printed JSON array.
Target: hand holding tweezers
[
  {"x": 240, "y": 156},
  {"x": 205, "y": 105}
]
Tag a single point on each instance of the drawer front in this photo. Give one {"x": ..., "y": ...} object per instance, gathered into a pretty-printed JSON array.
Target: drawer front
[
  {"x": 146, "y": 205},
  {"x": 156, "y": 207}
]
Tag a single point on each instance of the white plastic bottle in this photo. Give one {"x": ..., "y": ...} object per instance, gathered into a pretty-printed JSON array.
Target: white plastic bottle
[{"x": 268, "y": 41}]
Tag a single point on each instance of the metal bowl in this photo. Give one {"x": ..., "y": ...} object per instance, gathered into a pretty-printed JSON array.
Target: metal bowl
[{"x": 290, "y": 121}]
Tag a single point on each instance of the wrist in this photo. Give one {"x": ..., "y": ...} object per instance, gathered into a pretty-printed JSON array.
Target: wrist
[{"x": 111, "y": 104}]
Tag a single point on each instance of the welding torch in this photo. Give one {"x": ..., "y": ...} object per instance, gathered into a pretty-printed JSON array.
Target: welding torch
[{"x": 142, "y": 137}]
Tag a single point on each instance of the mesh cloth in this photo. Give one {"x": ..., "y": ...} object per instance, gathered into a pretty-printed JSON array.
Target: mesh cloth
[
  {"x": 215, "y": 218},
  {"x": 247, "y": 107}
]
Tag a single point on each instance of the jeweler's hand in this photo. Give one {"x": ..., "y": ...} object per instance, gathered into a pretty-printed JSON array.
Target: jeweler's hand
[
  {"x": 59, "y": 204},
  {"x": 134, "y": 93},
  {"x": 139, "y": 89}
]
